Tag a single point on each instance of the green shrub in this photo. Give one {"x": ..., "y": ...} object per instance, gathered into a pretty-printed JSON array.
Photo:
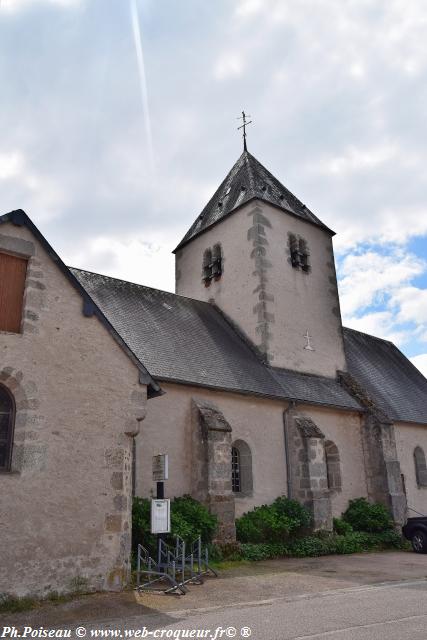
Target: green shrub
[
  {"x": 341, "y": 527},
  {"x": 364, "y": 516},
  {"x": 322, "y": 544},
  {"x": 189, "y": 519},
  {"x": 276, "y": 522},
  {"x": 198, "y": 521},
  {"x": 12, "y": 604}
]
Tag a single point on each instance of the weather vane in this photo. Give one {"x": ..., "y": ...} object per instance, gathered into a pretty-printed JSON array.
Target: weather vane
[{"x": 243, "y": 126}]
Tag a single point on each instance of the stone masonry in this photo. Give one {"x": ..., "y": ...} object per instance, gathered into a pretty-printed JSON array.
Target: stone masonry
[
  {"x": 309, "y": 478},
  {"x": 65, "y": 511},
  {"x": 212, "y": 467}
]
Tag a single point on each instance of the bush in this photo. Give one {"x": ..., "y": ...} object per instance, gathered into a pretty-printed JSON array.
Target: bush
[
  {"x": 189, "y": 520},
  {"x": 323, "y": 545},
  {"x": 276, "y": 522},
  {"x": 364, "y": 516},
  {"x": 341, "y": 527}
]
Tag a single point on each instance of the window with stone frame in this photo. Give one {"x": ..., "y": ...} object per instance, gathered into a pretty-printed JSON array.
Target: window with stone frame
[
  {"x": 7, "y": 423},
  {"x": 298, "y": 251},
  {"x": 333, "y": 466},
  {"x": 13, "y": 271},
  {"x": 420, "y": 467},
  {"x": 212, "y": 264},
  {"x": 241, "y": 468}
]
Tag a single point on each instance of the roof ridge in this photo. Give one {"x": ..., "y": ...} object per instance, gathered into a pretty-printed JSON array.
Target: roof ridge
[
  {"x": 363, "y": 333},
  {"x": 143, "y": 286}
]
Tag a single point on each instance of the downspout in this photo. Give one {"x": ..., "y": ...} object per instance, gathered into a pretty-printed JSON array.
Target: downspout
[{"x": 286, "y": 421}]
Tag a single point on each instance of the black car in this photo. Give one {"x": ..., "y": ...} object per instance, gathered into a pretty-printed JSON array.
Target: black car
[{"x": 415, "y": 530}]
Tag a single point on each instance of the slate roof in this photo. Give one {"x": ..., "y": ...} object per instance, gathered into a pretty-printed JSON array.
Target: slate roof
[
  {"x": 248, "y": 179},
  {"x": 391, "y": 380},
  {"x": 188, "y": 341}
]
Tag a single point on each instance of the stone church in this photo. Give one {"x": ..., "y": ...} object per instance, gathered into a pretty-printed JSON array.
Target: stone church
[{"x": 245, "y": 377}]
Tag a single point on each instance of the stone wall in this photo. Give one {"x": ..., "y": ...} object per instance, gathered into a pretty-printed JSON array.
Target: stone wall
[
  {"x": 309, "y": 477},
  {"x": 408, "y": 437},
  {"x": 169, "y": 428},
  {"x": 65, "y": 509},
  {"x": 271, "y": 302},
  {"x": 382, "y": 467}
]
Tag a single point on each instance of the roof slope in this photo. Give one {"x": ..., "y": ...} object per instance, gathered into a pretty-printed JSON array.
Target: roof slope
[
  {"x": 189, "y": 341},
  {"x": 392, "y": 381},
  {"x": 248, "y": 179},
  {"x": 20, "y": 219}
]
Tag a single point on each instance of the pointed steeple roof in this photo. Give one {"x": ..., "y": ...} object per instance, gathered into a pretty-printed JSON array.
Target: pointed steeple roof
[{"x": 248, "y": 179}]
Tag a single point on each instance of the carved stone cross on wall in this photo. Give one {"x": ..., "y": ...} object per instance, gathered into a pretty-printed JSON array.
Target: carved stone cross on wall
[{"x": 308, "y": 346}]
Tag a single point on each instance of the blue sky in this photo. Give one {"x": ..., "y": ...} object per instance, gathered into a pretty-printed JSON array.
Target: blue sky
[{"x": 114, "y": 150}]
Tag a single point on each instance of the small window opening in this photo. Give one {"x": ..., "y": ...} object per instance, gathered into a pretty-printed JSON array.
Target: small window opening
[
  {"x": 212, "y": 264},
  {"x": 7, "y": 420},
  {"x": 420, "y": 467},
  {"x": 235, "y": 470},
  {"x": 207, "y": 267},
  {"x": 241, "y": 468},
  {"x": 217, "y": 262},
  {"x": 299, "y": 253},
  {"x": 333, "y": 466}
]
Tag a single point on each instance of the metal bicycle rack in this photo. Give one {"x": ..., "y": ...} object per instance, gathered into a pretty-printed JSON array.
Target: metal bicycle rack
[{"x": 174, "y": 568}]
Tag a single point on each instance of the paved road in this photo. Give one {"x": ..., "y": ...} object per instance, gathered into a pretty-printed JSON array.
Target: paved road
[
  {"x": 387, "y": 611},
  {"x": 356, "y": 597}
]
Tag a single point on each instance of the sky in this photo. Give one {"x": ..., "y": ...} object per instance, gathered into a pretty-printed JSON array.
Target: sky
[{"x": 118, "y": 121}]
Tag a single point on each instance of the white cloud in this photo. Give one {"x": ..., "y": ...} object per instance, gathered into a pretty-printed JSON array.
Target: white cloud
[
  {"x": 228, "y": 65},
  {"x": 412, "y": 305},
  {"x": 128, "y": 258},
  {"x": 420, "y": 362},
  {"x": 377, "y": 295},
  {"x": 25, "y": 187},
  {"x": 17, "y": 5},
  {"x": 11, "y": 165},
  {"x": 369, "y": 277},
  {"x": 355, "y": 159},
  {"x": 380, "y": 324}
]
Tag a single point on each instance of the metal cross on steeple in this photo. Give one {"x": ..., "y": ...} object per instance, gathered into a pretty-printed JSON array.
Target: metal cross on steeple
[{"x": 243, "y": 126}]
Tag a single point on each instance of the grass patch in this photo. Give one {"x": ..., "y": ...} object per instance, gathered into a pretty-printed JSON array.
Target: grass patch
[{"x": 10, "y": 604}]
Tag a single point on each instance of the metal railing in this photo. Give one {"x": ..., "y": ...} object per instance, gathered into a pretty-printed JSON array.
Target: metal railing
[{"x": 174, "y": 567}]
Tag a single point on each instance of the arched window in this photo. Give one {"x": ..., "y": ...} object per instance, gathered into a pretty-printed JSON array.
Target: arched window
[
  {"x": 420, "y": 467},
  {"x": 7, "y": 421},
  {"x": 333, "y": 466},
  {"x": 241, "y": 468}
]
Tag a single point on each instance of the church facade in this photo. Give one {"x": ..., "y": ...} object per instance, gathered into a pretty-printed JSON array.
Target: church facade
[{"x": 255, "y": 388}]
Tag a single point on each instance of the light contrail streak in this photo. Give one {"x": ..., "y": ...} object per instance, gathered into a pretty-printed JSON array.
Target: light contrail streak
[{"x": 142, "y": 81}]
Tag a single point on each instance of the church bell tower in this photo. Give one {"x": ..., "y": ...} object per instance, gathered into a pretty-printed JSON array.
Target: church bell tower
[{"x": 267, "y": 262}]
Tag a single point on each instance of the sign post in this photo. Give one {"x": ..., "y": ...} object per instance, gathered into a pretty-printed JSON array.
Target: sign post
[{"x": 160, "y": 508}]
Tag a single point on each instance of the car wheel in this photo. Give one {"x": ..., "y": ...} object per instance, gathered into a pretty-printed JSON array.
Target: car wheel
[{"x": 419, "y": 541}]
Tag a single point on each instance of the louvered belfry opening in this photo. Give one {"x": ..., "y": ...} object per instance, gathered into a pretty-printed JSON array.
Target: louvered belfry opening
[{"x": 13, "y": 271}]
